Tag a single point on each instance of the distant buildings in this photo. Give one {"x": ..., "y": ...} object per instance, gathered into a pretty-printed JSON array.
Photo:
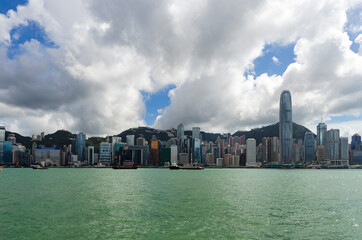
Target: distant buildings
[
  {"x": 80, "y": 146},
  {"x": 250, "y": 152},
  {"x": 90, "y": 155},
  {"x": 332, "y": 144},
  {"x": 285, "y": 128},
  {"x": 321, "y": 130},
  {"x": 2, "y": 140},
  {"x": 105, "y": 153},
  {"x": 356, "y": 142},
  {"x": 196, "y": 132},
  {"x": 309, "y": 152},
  {"x": 47, "y": 156}
]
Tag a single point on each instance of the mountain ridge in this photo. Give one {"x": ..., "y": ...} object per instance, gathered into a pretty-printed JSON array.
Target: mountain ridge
[{"x": 64, "y": 137}]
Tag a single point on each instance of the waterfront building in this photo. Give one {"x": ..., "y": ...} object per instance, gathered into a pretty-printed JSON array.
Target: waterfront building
[
  {"x": 197, "y": 151},
  {"x": 114, "y": 141},
  {"x": 105, "y": 153},
  {"x": 356, "y": 142},
  {"x": 155, "y": 152},
  {"x": 90, "y": 155},
  {"x": 130, "y": 140},
  {"x": 309, "y": 152},
  {"x": 219, "y": 161},
  {"x": 321, "y": 155},
  {"x": 8, "y": 152},
  {"x": 235, "y": 160},
  {"x": 356, "y": 158},
  {"x": 2, "y": 140},
  {"x": 285, "y": 127},
  {"x": 343, "y": 148},
  {"x": 227, "y": 159},
  {"x": 296, "y": 153},
  {"x": 264, "y": 150},
  {"x": 183, "y": 158},
  {"x": 250, "y": 152},
  {"x": 274, "y": 149},
  {"x": 139, "y": 154},
  {"x": 48, "y": 155},
  {"x": 80, "y": 146},
  {"x": 173, "y": 154},
  {"x": 196, "y": 132},
  {"x": 209, "y": 159},
  {"x": 332, "y": 144},
  {"x": 180, "y": 132},
  {"x": 165, "y": 156},
  {"x": 321, "y": 130}
]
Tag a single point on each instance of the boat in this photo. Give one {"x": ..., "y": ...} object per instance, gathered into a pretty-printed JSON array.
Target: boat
[
  {"x": 134, "y": 166},
  {"x": 39, "y": 167},
  {"x": 193, "y": 166}
]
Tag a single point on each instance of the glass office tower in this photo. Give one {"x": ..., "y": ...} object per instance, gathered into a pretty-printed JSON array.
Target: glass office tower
[{"x": 285, "y": 127}]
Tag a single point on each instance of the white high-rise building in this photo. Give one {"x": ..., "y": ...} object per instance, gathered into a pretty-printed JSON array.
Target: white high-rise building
[
  {"x": 332, "y": 144},
  {"x": 130, "y": 140},
  {"x": 250, "y": 152},
  {"x": 173, "y": 154}
]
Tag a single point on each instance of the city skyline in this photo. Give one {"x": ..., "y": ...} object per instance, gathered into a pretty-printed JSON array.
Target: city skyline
[{"x": 103, "y": 68}]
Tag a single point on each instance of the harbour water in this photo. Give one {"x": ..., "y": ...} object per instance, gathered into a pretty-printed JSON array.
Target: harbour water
[{"x": 164, "y": 204}]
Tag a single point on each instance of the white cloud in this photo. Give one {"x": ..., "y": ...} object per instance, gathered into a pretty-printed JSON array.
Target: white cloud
[
  {"x": 275, "y": 60},
  {"x": 108, "y": 52}
]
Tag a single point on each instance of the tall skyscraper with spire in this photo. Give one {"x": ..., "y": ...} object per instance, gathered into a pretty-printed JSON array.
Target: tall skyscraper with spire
[{"x": 285, "y": 127}]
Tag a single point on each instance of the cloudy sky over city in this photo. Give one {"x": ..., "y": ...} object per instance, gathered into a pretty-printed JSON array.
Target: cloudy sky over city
[{"x": 101, "y": 67}]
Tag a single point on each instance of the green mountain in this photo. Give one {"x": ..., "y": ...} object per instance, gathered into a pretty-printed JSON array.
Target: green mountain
[
  {"x": 62, "y": 137},
  {"x": 272, "y": 131}
]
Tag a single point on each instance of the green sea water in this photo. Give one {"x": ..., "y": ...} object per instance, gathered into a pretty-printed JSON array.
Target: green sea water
[{"x": 164, "y": 204}]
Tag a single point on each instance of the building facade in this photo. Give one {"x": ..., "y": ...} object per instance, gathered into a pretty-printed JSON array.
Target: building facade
[
  {"x": 321, "y": 130},
  {"x": 332, "y": 144},
  {"x": 309, "y": 152},
  {"x": 250, "y": 152},
  {"x": 105, "y": 153},
  {"x": 285, "y": 128},
  {"x": 80, "y": 146}
]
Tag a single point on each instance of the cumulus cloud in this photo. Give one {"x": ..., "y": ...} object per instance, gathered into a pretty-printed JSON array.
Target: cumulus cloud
[
  {"x": 109, "y": 52},
  {"x": 275, "y": 60}
]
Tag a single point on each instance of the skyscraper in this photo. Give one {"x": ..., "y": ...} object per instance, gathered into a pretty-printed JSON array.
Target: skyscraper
[
  {"x": 250, "y": 152},
  {"x": 356, "y": 142},
  {"x": 196, "y": 132},
  {"x": 90, "y": 155},
  {"x": 309, "y": 152},
  {"x": 332, "y": 144},
  {"x": 80, "y": 146},
  {"x": 2, "y": 139},
  {"x": 285, "y": 127},
  {"x": 180, "y": 132},
  {"x": 321, "y": 130},
  {"x": 343, "y": 148}
]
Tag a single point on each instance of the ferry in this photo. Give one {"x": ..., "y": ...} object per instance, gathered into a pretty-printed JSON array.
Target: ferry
[{"x": 193, "y": 166}]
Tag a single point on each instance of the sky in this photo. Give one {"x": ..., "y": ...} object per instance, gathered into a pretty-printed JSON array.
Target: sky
[{"x": 101, "y": 67}]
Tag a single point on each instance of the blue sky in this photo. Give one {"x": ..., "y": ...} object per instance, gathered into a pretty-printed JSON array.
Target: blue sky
[
  {"x": 6, "y": 5},
  {"x": 283, "y": 55}
]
